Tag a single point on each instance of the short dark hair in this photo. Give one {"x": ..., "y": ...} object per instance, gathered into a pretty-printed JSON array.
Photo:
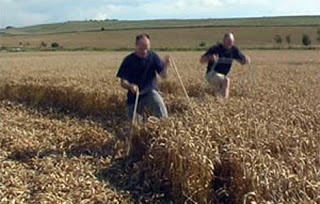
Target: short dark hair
[
  {"x": 143, "y": 35},
  {"x": 227, "y": 35}
]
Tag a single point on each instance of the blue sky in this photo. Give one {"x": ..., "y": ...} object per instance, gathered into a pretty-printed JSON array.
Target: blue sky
[{"x": 31, "y": 12}]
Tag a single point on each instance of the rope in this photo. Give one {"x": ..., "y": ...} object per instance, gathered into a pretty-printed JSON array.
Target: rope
[
  {"x": 173, "y": 64},
  {"x": 135, "y": 108},
  {"x": 133, "y": 122},
  {"x": 253, "y": 79}
]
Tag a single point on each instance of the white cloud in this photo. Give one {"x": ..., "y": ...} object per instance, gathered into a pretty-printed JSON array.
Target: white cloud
[
  {"x": 297, "y": 7},
  {"x": 159, "y": 9},
  {"x": 30, "y": 12},
  {"x": 182, "y": 8},
  {"x": 247, "y": 2},
  {"x": 109, "y": 11},
  {"x": 11, "y": 13}
]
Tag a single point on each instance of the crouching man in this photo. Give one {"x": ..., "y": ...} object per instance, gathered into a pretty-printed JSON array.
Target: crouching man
[
  {"x": 219, "y": 60},
  {"x": 138, "y": 72}
]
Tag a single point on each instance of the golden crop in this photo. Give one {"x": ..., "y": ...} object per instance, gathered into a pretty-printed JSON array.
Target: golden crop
[{"x": 64, "y": 131}]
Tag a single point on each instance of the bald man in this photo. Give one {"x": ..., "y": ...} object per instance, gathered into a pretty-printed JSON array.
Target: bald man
[
  {"x": 138, "y": 71},
  {"x": 219, "y": 60}
]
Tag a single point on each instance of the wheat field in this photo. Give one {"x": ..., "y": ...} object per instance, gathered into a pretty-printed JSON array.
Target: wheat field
[
  {"x": 64, "y": 132},
  {"x": 188, "y": 38}
]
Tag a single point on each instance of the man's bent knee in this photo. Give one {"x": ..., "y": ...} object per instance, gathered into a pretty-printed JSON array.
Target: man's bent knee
[
  {"x": 226, "y": 82},
  {"x": 157, "y": 105}
]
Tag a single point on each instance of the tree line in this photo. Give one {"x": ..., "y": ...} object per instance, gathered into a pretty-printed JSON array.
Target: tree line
[{"x": 305, "y": 39}]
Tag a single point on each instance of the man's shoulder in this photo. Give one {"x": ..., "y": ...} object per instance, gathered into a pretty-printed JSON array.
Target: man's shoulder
[
  {"x": 217, "y": 46},
  {"x": 153, "y": 54},
  {"x": 235, "y": 48},
  {"x": 130, "y": 56},
  {"x": 127, "y": 61}
]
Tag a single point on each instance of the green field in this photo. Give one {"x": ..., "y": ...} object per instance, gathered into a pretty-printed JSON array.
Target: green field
[
  {"x": 79, "y": 26},
  {"x": 166, "y": 34}
]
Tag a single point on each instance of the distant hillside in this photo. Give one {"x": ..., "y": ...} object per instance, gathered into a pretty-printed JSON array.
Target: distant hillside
[{"x": 93, "y": 25}]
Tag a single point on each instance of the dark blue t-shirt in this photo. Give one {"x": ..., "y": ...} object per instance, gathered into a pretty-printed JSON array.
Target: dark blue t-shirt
[
  {"x": 225, "y": 58},
  {"x": 142, "y": 72}
]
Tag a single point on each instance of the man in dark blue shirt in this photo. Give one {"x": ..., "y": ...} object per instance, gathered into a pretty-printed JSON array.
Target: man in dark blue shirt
[
  {"x": 138, "y": 71},
  {"x": 219, "y": 59}
]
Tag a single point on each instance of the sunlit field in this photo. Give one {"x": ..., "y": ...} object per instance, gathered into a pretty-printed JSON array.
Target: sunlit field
[
  {"x": 171, "y": 38},
  {"x": 64, "y": 132}
]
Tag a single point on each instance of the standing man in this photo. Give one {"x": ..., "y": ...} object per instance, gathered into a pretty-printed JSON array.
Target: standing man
[
  {"x": 138, "y": 72},
  {"x": 219, "y": 59}
]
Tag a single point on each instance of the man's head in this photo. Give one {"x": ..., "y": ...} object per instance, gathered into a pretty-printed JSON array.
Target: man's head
[
  {"x": 228, "y": 41},
  {"x": 142, "y": 44}
]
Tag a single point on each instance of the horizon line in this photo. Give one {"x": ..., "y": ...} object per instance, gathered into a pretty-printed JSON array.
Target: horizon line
[{"x": 162, "y": 19}]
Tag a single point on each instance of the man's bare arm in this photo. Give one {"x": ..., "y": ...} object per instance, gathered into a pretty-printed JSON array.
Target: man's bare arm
[
  {"x": 166, "y": 63},
  {"x": 126, "y": 85},
  {"x": 246, "y": 60},
  {"x": 208, "y": 58}
]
